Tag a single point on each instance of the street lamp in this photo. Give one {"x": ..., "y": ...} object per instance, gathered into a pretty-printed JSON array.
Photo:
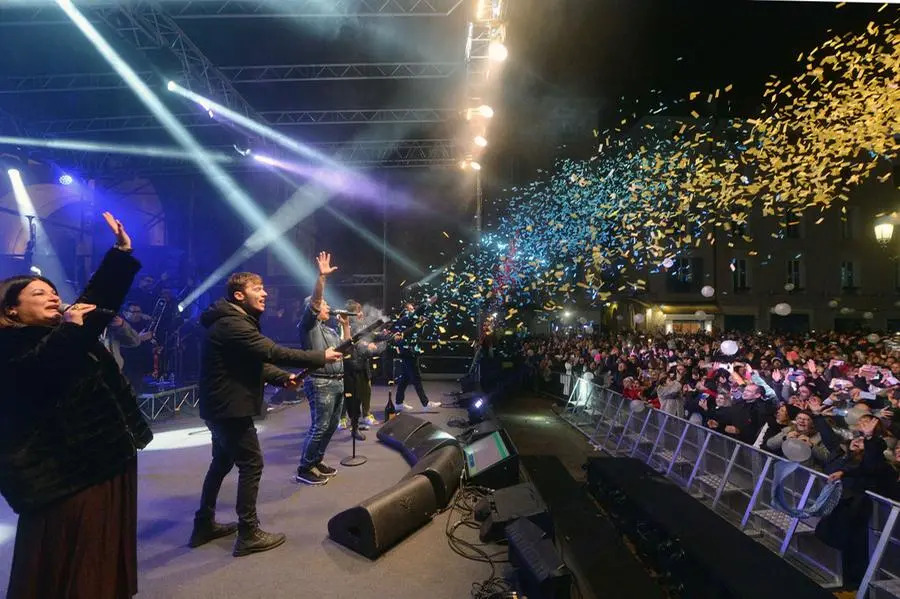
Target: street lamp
[{"x": 884, "y": 231}]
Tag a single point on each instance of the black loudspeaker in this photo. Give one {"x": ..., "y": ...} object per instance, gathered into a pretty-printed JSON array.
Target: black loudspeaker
[
  {"x": 482, "y": 429},
  {"x": 398, "y": 429},
  {"x": 383, "y": 520},
  {"x": 443, "y": 467},
  {"x": 690, "y": 545},
  {"x": 508, "y": 505},
  {"x": 492, "y": 461},
  {"x": 540, "y": 571},
  {"x": 425, "y": 440}
]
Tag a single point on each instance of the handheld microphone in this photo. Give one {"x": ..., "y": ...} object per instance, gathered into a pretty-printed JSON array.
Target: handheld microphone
[
  {"x": 100, "y": 311},
  {"x": 345, "y": 313}
]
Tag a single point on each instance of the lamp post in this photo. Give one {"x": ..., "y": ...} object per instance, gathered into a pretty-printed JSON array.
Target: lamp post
[{"x": 884, "y": 231}]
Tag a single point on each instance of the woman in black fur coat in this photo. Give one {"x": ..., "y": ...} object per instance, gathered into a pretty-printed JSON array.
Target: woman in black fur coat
[{"x": 70, "y": 430}]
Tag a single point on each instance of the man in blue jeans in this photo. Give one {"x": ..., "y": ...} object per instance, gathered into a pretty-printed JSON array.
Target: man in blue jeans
[{"x": 324, "y": 387}]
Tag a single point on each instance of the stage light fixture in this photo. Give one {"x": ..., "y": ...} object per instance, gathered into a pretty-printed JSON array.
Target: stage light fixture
[
  {"x": 36, "y": 271},
  {"x": 66, "y": 179},
  {"x": 463, "y": 164},
  {"x": 477, "y": 410},
  {"x": 171, "y": 86},
  {"x": 486, "y": 111},
  {"x": 480, "y": 141},
  {"x": 475, "y": 166},
  {"x": 498, "y": 52}
]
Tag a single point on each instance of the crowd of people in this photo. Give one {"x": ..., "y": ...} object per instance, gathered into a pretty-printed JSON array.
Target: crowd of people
[
  {"x": 823, "y": 389},
  {"x": 830, "y": 401}
]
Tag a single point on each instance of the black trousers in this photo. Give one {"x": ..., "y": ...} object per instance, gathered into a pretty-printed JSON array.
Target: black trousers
[
  {"x": 409, "y": 373},
  {"x": 234, "y": 443},
  {"x": 357, "y": 394}
]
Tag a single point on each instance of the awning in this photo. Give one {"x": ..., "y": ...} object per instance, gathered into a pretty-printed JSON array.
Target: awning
[{"x": 688, "y": 308}]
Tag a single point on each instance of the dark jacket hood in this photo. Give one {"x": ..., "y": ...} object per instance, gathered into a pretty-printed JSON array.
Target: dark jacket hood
[{"x": 223, "y": 309}]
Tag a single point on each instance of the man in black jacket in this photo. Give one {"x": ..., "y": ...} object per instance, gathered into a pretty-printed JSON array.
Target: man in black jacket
[
  {"x": 408, "y": 353},
  {"x": 237, "y": 360}
]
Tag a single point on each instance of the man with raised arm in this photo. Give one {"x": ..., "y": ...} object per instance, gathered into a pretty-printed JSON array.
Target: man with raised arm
[
  {"x": 237, "y": 360},
  {"x": 324, "y": 387}
]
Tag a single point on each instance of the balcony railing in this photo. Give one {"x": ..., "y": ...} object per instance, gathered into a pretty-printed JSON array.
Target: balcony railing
[{"x": 734, "y": 480}]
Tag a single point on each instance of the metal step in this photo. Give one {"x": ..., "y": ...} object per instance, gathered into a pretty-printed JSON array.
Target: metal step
[
  {"x": 783, "y": 521},
  {"x": 890, "y": 586},
  {"x": 666, "y": 455},
  {"x": 714, "y": 481}
]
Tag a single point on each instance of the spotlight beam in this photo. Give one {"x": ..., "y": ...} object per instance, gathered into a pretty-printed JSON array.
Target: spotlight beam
[
  {"x": 28, "y": 217},
  {"x": 377, "y": 242},
  {"x": 254, "y": 126},
  {"x": 299, "y": 206},
  {"x": 236, "y": 197},
  {"x": 111, "y": 148}
]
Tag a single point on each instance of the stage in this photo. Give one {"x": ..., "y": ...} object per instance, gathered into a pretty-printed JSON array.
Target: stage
[{"x": 309, "y": 564}]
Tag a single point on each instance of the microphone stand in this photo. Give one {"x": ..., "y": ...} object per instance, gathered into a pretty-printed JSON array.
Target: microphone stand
[
  {"x": 357, "y": 460},
  {"x": 354, "y": 460}
]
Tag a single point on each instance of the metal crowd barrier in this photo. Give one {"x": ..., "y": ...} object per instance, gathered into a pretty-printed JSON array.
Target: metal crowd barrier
[
  {"x": 167, "y": 403},
  {"x": 735, "y": 481}
]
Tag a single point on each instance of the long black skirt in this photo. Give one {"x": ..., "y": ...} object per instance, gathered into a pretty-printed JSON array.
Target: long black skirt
[{"x": 83, "y": 547}]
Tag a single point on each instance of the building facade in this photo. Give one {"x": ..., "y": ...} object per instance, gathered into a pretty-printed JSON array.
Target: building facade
[{"x": 827, "y": 266}]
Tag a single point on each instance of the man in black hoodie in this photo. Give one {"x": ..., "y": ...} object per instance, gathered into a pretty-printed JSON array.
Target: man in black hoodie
[{"x": 237, "y": 361}]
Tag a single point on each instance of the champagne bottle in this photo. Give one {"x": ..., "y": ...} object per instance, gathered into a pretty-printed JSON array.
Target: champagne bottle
[{"x": 389, "y": 410}]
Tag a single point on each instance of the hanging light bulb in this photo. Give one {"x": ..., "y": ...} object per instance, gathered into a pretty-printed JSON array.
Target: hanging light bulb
[{"x": 497, "y": 52}]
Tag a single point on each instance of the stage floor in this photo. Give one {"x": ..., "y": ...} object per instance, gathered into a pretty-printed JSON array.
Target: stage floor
[{"x": 309, "y": 564}]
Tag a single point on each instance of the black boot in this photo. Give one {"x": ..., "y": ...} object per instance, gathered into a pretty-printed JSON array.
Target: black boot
[
  {"x": 209, "y": 530},
  {"x": 257, "y": 541}
]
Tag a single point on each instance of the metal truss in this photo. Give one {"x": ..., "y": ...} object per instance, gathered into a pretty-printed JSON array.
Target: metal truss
[
  {"x": 47, "y": 14},
  {"x": 19, "y": 84},
  {"x": 487, "y": 26},
  {"x": 362, "y": 281},
  {"x": 242, "y": 9},
  {"x": 376, "y": 153},
  {"x": 145, "y": 25},
  {"x": 349, "y": 117},
  {"x": 62, "y": 127},
  {"x": 341, "y": 71},
  {"x": 22, "y": 84},
  {"x": 401, "y": 153}
]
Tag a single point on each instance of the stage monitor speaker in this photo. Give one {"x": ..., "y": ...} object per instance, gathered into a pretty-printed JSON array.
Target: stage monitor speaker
[
  {"x": 508, "y": 505},
  {"x": 539, "y": 568},
  {"x": 492, "y": 461},
  {"x": 425, "y": 440},
  {"x": 385, "y": 519},
  {"x": 443, "y": 467},
  {"x": 398, "y": 429},
  {"x": 482, "y": 429}
]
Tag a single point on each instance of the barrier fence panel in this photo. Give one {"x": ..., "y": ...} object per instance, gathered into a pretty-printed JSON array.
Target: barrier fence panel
[{"x": 736, "y": 481}]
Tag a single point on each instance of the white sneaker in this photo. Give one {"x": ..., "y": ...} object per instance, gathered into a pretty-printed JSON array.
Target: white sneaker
[
  {"x": 433, "y": 404},
  {"x": 402, "y": 407}
]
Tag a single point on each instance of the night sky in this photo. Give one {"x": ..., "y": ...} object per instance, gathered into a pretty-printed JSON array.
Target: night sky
[{"x": 614, "y": 52}]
